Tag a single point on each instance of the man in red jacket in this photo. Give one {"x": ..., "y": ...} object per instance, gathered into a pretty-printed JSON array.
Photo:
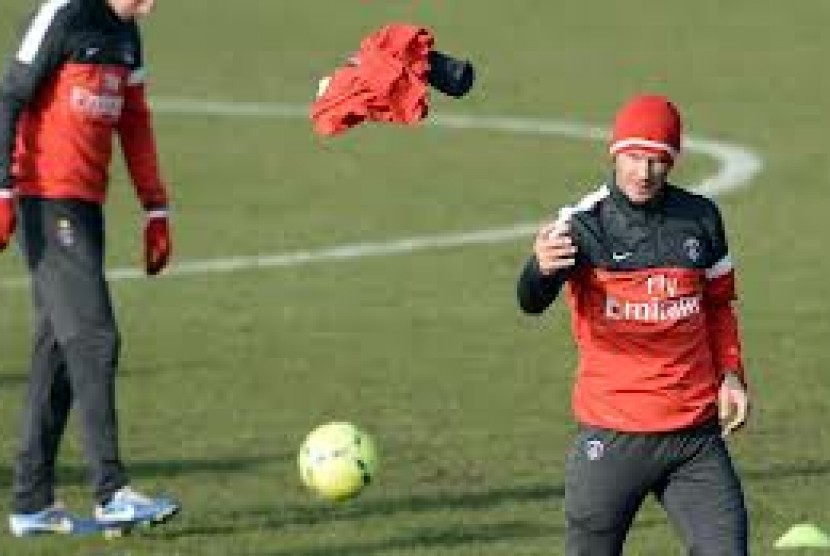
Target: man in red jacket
[
  {"x": 660, "y": 379},
  {"x": 75, "y": 81}
]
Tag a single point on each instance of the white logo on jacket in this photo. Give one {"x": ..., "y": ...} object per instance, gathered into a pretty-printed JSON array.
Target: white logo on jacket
[
  {"x": 97, "y": 105},
  {"x": 663, "y": 304},
  {"x": 112, "y": 82},
  {"x": 654, "y": 310}
]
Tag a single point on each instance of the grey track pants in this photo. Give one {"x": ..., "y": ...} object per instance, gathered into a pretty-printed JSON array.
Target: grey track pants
[
  {"x": 75, "y": 349},
  {"x": 609, "y": 474}
]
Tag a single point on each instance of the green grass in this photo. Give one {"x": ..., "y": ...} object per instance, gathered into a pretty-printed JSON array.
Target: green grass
[{"x": 222, "y": 375}]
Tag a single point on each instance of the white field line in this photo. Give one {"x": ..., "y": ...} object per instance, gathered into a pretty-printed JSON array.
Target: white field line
[{"x": 737, "y": 165}]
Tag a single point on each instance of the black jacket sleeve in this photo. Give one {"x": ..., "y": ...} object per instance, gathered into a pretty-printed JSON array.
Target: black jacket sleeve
[
  {"x": 40, "y": 51},
  {"x": 713, "y": 224},
  {"x": 10, "y": 108},
  {"x": 537, "y": 291}
]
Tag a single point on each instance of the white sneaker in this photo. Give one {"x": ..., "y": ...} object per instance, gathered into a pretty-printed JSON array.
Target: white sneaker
[
  {"x": 53, "y": 519},
  {"x": 128, "y": 507}
]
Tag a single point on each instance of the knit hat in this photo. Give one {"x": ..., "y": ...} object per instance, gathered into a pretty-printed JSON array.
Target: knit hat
[{"x": 649, "y": 122}]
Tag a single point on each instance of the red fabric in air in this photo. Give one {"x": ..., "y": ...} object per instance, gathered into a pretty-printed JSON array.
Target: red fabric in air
[{"x": 386, "y": 81}]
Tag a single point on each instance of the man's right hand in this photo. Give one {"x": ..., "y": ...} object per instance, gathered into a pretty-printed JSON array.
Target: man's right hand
[
  {"x": 554, "y": 248},
  {"x": 7, "y": 217}
]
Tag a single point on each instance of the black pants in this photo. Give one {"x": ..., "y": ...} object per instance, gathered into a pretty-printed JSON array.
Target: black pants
[
  {"x": 609, "y": 474},
  {"x": 75, "y": 349}
]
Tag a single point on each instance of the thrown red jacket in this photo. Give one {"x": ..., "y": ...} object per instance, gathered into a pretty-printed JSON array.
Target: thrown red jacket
[{"x": 386, "y": 81}]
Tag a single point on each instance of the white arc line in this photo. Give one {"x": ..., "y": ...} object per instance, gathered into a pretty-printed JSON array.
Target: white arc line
[{"x": 737, "y": 165}]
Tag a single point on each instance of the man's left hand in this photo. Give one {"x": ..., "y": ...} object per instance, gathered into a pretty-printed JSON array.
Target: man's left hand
[
  {"x": 7, "y": 217},
  {"x": 157, "y": 242},
  {"x": 733, "y": 403}
]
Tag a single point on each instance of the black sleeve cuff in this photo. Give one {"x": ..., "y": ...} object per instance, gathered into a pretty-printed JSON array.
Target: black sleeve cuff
[
  {"x": 536, "y": 291},
  {"x": 449, "y": 75}
]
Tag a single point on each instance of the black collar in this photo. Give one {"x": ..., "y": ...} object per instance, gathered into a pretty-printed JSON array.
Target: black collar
[{"x": 108, "y": 15}]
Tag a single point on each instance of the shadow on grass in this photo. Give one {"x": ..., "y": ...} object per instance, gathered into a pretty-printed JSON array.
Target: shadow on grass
[
  {"x": 448, "y": 537},
  {"x": 273, "y": 517},
  {"x": 14, "y": 383},
  {"x": 786, "y": 470},
  {"x": 434, "y": 537},
  {"x": 77, "y": 475},
  {"x": 13, "y": 380}
]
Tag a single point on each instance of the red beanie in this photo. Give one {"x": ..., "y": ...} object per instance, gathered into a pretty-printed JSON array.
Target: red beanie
[{"x": 649, "y": 122}]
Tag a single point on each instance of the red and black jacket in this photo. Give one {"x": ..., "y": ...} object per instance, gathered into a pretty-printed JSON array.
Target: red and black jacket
[
  {"x": 651, "y": 298},
  {"x": 76, "y": 80}
]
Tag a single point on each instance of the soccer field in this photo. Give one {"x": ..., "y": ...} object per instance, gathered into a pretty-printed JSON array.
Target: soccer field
[{"x": 371, "y": 277}]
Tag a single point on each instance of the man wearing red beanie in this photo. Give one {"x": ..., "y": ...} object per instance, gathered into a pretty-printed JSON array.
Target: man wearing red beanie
[{"x": 660, "y": 380}]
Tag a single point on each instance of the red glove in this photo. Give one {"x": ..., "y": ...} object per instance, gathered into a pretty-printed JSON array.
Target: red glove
[
  {"x": 157, "y": 242},
  {"x": 7, "y": 218}
]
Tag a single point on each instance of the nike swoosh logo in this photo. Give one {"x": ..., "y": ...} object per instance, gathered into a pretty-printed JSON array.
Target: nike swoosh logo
[{"x": 620, "y": 256}]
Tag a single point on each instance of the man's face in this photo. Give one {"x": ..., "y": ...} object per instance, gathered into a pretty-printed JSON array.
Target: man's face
[
  {"x": 131, "y": 9},
  {"x": 641, "y": 174}
]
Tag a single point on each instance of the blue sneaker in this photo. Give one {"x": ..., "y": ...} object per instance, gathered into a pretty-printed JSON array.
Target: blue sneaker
[
  {"x": 53, "y": 519},
  {"x": 128, "y": 507}
]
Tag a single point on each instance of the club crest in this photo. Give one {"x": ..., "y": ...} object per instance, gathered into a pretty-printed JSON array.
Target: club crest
[
  {"x": 692, "y": 248},
  {"x": 66, "y": 236},
  {"x": 594, "y": 449}
]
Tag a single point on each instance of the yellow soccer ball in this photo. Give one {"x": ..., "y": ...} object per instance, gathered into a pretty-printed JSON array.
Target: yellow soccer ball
[{"x": 337, "y": 460}]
